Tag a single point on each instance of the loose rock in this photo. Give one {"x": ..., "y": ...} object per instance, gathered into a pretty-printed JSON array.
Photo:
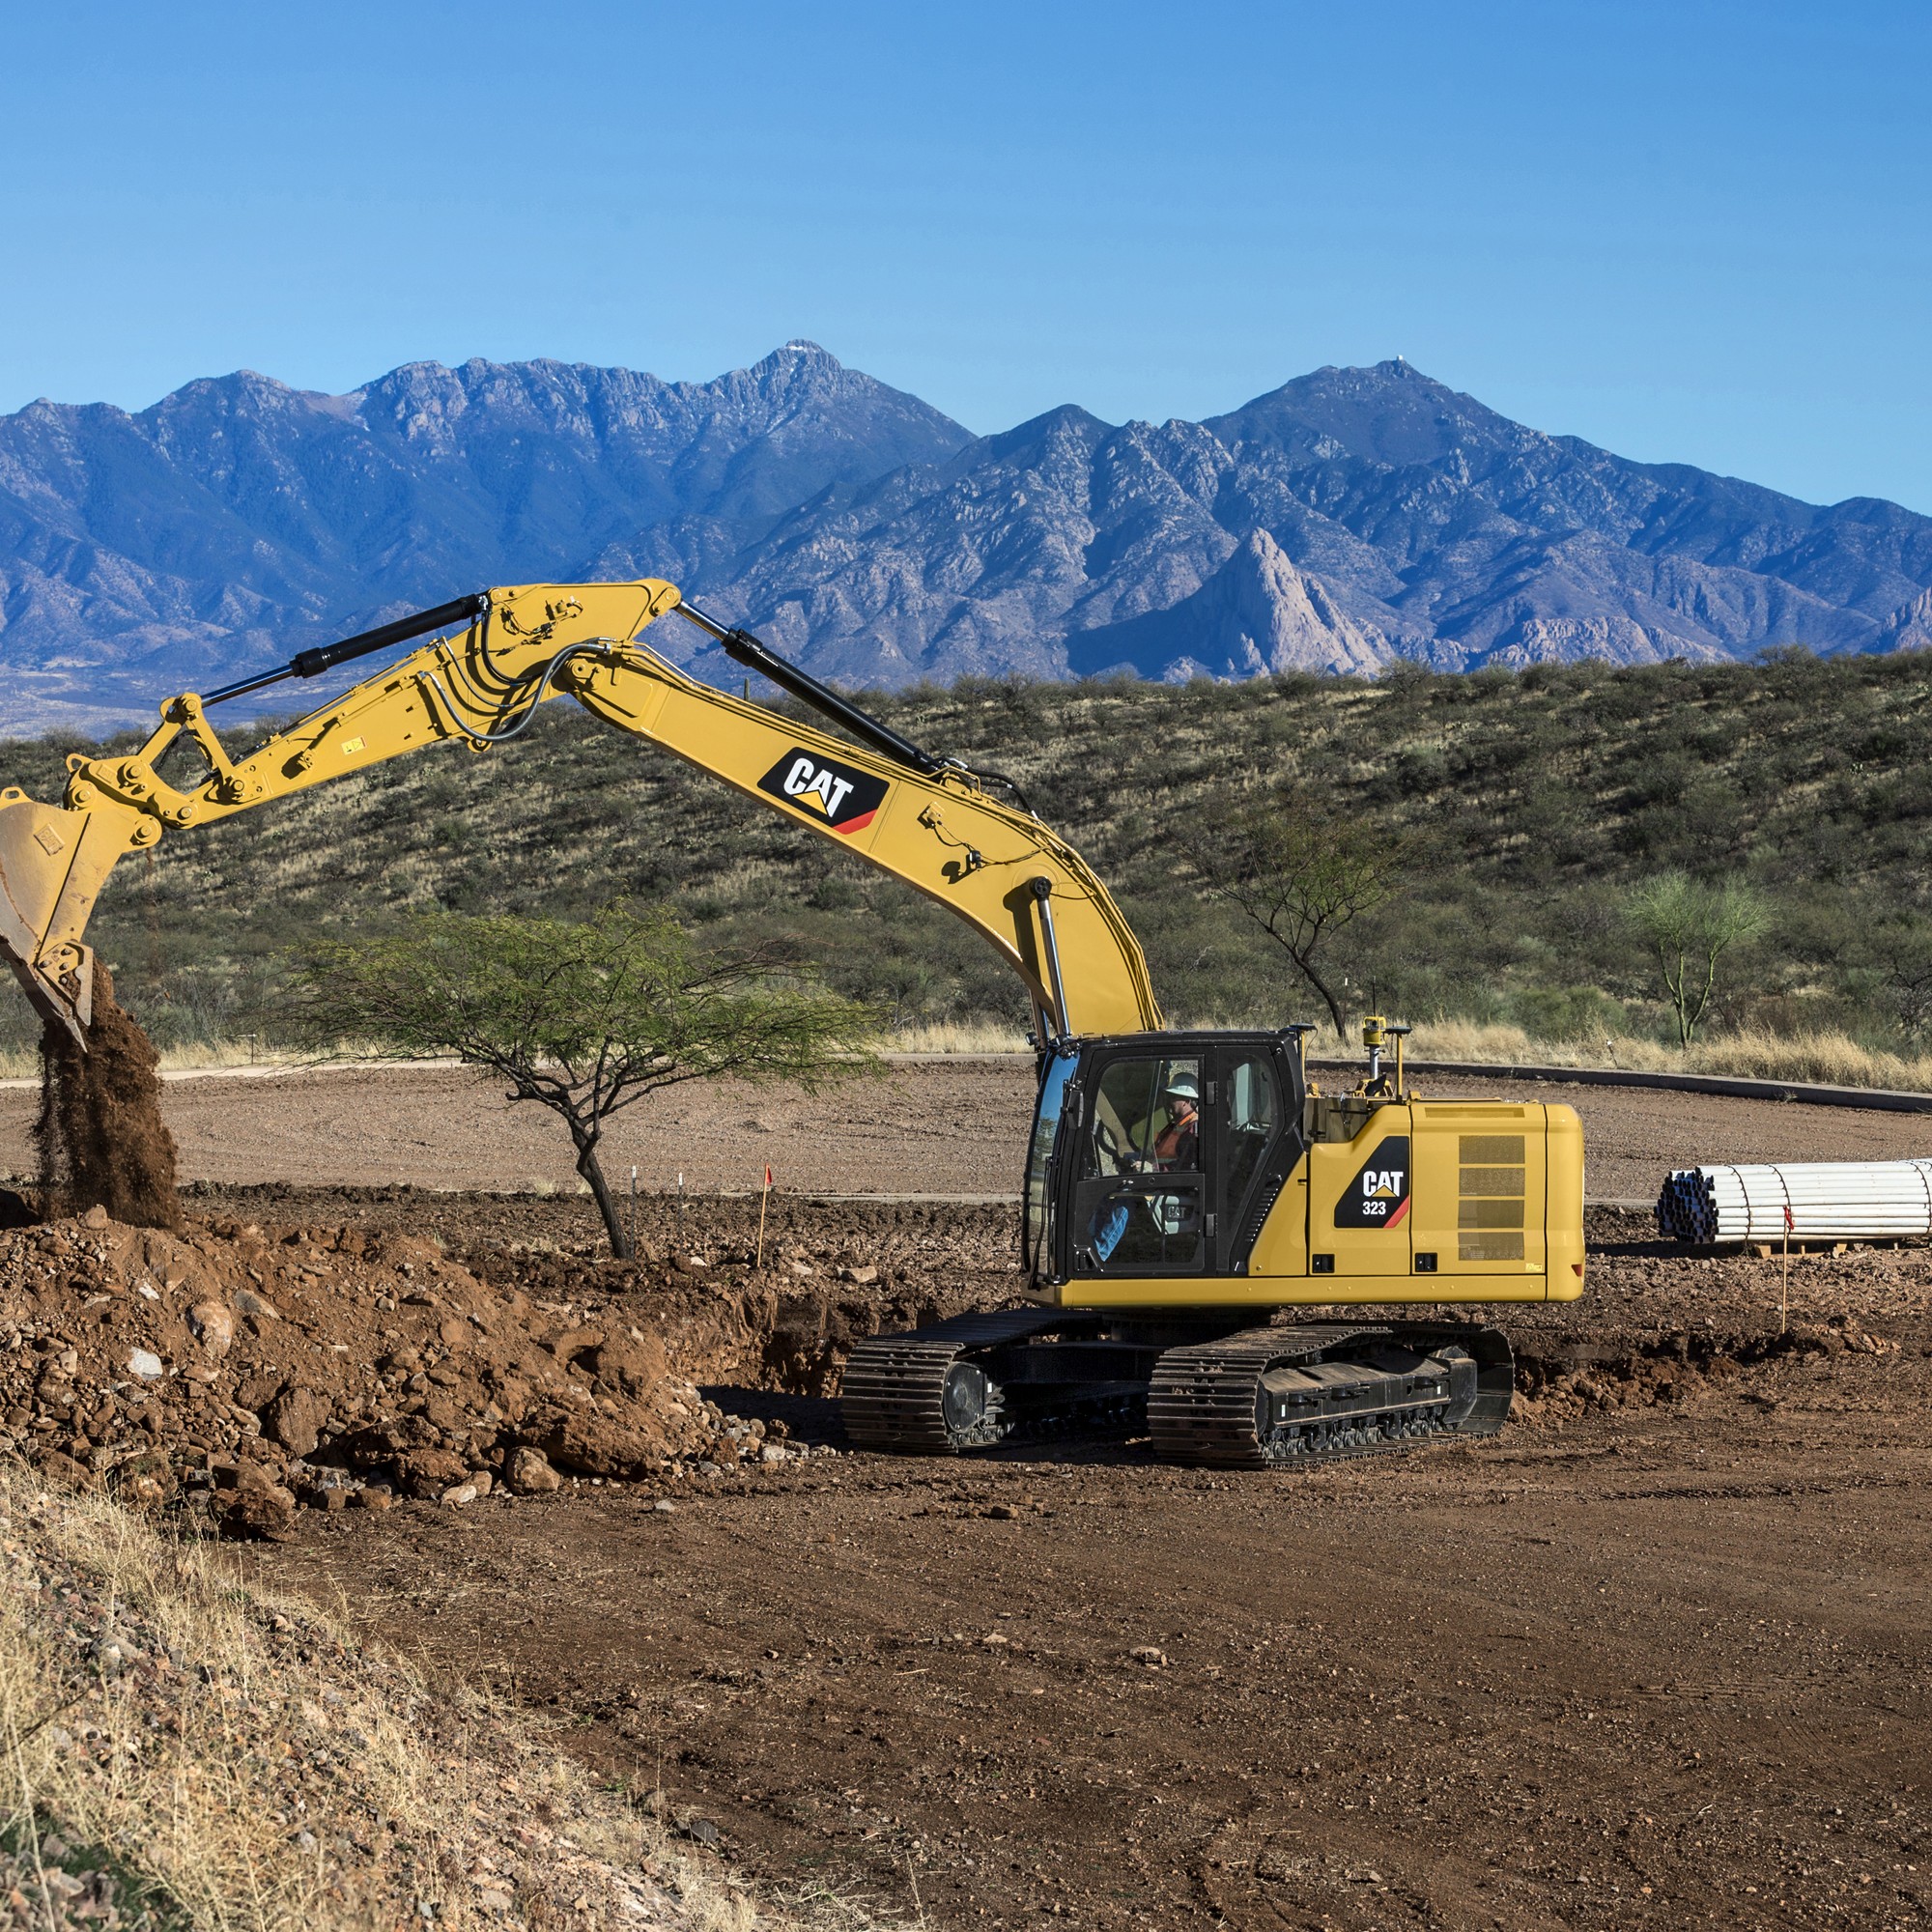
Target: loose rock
[
  {"x": 213, "y": 1325},
  {"x": 294, "y": 1419},
  {"x": 264, "y": 1512},
  {"x": 529, "y": 1472}
]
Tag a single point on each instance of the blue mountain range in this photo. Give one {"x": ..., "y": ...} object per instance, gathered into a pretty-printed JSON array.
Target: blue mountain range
[{"x": 1348, "y": 519}]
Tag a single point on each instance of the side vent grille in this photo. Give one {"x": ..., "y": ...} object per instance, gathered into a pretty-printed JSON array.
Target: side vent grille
[{"x": 1490, "y": 1204}]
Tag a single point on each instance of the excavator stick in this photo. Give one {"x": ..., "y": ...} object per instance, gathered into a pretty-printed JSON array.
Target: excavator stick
[
  {"x": 52, "y": 865},
  {"x": 54, "y": 860}
]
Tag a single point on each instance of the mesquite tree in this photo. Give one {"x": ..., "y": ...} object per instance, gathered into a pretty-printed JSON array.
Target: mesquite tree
[
  {"x": 583, "y": 1018},
  {"x": 1687, "y": 925}
]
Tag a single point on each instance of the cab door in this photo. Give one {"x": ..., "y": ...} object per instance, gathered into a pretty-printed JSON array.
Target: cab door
[
  {"x": 1139, "y": 1202},
  {"x": 1177, "y": 1158}
]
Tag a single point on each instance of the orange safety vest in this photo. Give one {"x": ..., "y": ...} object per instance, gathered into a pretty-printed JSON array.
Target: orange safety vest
[{"x": 1174, "y": 1146}]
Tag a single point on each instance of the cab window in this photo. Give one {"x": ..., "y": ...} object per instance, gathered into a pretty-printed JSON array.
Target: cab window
[
  {"x": 1254, "y": 1118},
  {"x": 1147, "y": 1118},
  {"x": 1139, "y": 1204}
]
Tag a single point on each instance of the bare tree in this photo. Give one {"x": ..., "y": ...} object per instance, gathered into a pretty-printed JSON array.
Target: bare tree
[
  {"x": 1902, "y": 951},
  {"x": 1687, "y": 925},
  {"x": 1299, "y": 871},
  {"x": 583, "y": 1018}
]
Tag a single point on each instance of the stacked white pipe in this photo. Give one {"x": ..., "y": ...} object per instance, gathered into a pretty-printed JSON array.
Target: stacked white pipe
[{"x": 1812, "y": 1201}]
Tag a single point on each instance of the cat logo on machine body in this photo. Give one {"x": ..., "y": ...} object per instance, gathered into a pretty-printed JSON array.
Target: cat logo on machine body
[
  {"x": 846, "y": 800},
  {"x": 1379, "y": 1195}
]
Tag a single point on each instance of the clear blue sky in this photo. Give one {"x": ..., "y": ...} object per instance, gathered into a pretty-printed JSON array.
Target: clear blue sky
[{"x": 1688, "y": 232}]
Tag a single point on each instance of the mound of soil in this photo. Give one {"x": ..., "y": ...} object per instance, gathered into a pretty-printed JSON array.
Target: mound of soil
[
  {"x": 234, "y": 1367},
  {"x": 830, "y": 1274},
  {"x": 100, "y": 1135},
  {"x": 1558, "y": 1381},
  {"x": 238, "y": 1370}
]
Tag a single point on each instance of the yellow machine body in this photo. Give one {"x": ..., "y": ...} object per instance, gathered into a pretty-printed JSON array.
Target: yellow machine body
[{"x": 1483, "y": 1201}]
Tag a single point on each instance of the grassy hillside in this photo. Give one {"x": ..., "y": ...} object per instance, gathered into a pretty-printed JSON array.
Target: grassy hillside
[{"x": 1531, "y": 803}]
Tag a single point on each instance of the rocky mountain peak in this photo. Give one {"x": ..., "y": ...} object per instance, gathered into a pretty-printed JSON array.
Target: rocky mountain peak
[
  {"x": 1064, "y": 427},
  {"x": 1909, "y": 627},
  {"x": 1390, "y": 413},
  {"x": 799, "y": 357},
  {"x": 1345, "y": 519},
  {"x": 1284, "y": 619}
]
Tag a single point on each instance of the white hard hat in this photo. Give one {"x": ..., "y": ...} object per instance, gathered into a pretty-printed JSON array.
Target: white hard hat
[{"x": 1185, "y": 1084}]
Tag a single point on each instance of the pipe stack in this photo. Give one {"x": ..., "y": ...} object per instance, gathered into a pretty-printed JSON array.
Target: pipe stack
[{"x": 1824, "y": 1201}]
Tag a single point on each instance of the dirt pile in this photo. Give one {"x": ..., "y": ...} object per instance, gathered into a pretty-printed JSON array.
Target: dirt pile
[
  {"x": 238, "y": 1372},
  {"x": 1562, "y": 1381},
  {"x": 100, "y": 1135},
  {"x": 325, "y": 1357},
  {"x": 831, "y": 1272}
]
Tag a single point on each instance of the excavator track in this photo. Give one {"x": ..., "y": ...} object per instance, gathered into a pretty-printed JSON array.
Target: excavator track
[
  {"x": 916, "y": 1395},
  {"x": 1288, "y": 1398},
  {"x": 1255, "y": 1398}
]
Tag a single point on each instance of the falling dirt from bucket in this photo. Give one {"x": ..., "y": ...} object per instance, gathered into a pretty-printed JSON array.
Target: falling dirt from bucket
[{"x": 100, "y": 1135}]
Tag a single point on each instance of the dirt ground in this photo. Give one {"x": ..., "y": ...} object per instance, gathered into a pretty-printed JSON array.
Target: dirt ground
[
  {"x": 1653, "y": 1657},
  {"x": 952, "y": 1127},
  {"x": 1654, "y": 1673},
  {"x": 964, "y": 1121}
]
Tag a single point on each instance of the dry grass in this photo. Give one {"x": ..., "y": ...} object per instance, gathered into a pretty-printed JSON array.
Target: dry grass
[
  {"x": 1833, "y": 1059},
  {"x": 261, "y": 1772},
  {"x": 979, "y": 1037},
  {"x": 24, "y": 1062}
]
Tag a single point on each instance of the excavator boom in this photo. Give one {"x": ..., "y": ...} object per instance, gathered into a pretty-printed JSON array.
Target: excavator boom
[{"x": 933, "y": 823}]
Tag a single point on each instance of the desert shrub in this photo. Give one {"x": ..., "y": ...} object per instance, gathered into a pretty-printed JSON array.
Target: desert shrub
[{"x": 1537, "y": 802}]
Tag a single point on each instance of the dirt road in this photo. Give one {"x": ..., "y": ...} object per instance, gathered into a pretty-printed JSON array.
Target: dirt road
[
  {"x": 943, "y": 1127},
  {"x": 948, "y": 1126}
]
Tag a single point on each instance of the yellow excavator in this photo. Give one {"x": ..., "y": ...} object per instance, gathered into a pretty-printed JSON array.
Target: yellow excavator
[{"x": 1181, "y": 1189}]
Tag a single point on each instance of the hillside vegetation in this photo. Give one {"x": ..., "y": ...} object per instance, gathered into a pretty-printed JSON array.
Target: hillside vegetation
[{"x": 1527, "y": 805}]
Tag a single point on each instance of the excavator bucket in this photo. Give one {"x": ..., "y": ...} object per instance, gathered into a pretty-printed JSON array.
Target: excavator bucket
[{"x": 52, "y": 865}]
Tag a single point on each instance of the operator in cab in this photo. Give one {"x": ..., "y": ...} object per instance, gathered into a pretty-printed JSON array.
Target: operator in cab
[{"x": 1177, "y": 1147}]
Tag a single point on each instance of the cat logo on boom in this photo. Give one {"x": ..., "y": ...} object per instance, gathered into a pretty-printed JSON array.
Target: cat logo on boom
[
  {"x": 846, "y": 800},
  {"x": 1378, "y": 1196}
]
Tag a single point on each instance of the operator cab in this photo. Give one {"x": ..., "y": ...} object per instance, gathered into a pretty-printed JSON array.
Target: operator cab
[{"x": 1159, "y": 1153}]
